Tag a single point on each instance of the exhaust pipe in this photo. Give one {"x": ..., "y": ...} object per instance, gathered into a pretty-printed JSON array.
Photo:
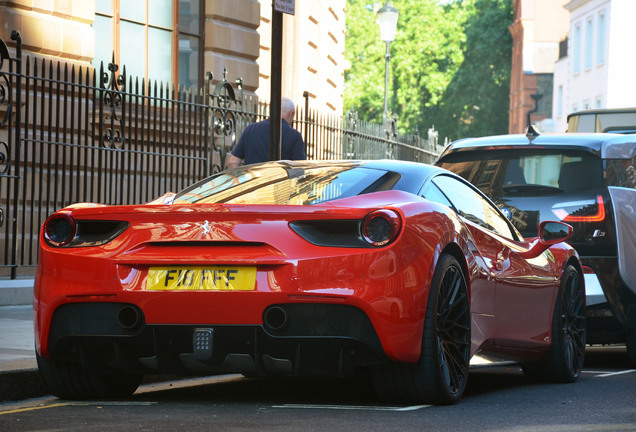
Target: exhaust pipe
[
  {"x": 275, "y": 318},
  {"x": 129, "y": 318}
]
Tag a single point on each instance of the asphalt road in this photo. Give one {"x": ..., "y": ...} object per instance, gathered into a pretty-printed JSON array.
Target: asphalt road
[{"x": 496, "y": 399}]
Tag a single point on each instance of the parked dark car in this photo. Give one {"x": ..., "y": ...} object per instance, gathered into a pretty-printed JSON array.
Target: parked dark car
[{"x": 585, "y": 180}]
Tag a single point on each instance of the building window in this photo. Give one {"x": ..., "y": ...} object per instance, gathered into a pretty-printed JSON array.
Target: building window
[
  {"x": 576, "y": 60},
  {"x": 190, "y": 43},
  {"x": 598, "y": 103},
  {"x": 589, "y": 43},
  {"x": 600, "y": 38},
  {"x": 159, "y": 40},
  {"x": 560, "y": 101}
]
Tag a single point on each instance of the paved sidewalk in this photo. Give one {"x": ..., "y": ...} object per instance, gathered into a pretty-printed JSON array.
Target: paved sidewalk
[
  {"x": 16, "y": 337},
  {"x": 16, "y": 292},
  {"x": 19, "y": 377}
]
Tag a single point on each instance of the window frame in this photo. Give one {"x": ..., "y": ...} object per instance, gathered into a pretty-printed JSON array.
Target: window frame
[
  {"x": 175, "y": 30},
  {"x": 576, "y": 56},
  {"x": 601, "y": 28},
  {"x": 512, "y": 235},
  {"x": 589, "y": 43}
]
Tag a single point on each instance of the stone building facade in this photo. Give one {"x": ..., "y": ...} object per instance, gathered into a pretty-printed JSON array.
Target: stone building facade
[
  {"x": 180, "y": 40},
  {"x": 313, "y": 53}
]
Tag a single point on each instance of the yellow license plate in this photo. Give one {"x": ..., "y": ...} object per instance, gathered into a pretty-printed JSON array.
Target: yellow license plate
[{"x": 217, "y": 278}]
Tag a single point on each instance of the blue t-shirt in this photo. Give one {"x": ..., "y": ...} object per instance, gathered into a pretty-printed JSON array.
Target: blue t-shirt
[{"x": 253, "y": 146}]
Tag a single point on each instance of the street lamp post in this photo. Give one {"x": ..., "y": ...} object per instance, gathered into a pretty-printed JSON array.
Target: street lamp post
[{"x": 387, "y": 18}]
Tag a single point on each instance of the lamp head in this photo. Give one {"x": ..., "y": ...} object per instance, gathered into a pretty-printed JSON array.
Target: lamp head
[{"x": 387, "y": 18}]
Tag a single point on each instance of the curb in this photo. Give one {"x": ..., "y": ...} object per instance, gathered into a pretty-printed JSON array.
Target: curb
[{"x": 16, "y": 292}]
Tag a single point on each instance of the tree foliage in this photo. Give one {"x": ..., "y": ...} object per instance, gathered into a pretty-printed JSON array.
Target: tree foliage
[{"x": 449, "y": 66}]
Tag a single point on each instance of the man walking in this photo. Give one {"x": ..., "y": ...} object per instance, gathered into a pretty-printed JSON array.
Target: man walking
[{"x": 253, "y": 146}]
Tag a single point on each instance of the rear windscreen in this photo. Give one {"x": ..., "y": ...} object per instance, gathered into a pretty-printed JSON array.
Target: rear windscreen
[
  {"x": 527, "y": 173},
  {"x": 283, "y": 185}
]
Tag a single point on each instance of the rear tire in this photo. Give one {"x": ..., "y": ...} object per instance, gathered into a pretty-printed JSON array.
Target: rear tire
[
  {"x": 564, "y": 360},
  {"x": 68, "y": 380},
  {"x": 440, "y": 375}
]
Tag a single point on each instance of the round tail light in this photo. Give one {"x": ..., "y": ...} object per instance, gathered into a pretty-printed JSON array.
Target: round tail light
[
  {"x": 59, "y": 230},
  {"x": 381, "y": 227}
]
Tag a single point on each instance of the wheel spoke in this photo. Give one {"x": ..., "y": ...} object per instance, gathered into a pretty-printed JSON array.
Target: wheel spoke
[
  {"x": 573, "y": 323},
  {"x": 453, "y": 331},
  {"x": 453, "y": 365}
]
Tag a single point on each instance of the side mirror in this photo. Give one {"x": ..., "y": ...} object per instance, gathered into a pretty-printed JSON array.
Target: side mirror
[
  {"x": 550, "y": 233},
  {"x": 554, "y": 232}
]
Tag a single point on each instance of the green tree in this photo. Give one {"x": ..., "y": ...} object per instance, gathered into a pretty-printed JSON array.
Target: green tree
[
  {"x": 476, "y": 102},
  {"x": 442, "y": 53}
]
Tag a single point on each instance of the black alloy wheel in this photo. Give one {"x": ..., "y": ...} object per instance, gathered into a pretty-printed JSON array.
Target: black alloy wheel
[
  {"x": 440, "y": 375},
  {"x": 563, "y": 362},
  {"x": 573, "y": 326},
  {"x": 68, "y": 380},
  {"x": 449, "y": 336}
]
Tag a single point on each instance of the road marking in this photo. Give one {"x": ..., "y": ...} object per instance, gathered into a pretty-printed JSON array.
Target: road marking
[
  {"x": 616, "y": 373},
  {"x": 20, "y": 410},
  {"x": 352, "y": 407},
  {"x": 62, "y": 404}
]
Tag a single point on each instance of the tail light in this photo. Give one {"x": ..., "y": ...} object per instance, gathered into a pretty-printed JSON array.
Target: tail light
[
  {"x": 588, "y": 270},
  {"x": 59, "y": 230},
  {"x": 381, "y": 227},
  {"x": 582, "y": 211},
  {"x": 378, "y": 228}
]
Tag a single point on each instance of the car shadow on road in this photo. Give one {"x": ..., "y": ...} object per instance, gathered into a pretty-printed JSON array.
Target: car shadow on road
[
  {"x": 499, "y": 378},
  {"x": 278, "y": 390},
  {"x": 359, "y": 390}
]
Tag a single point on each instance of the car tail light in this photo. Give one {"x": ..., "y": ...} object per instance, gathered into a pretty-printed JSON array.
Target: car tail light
[
  {"x": 588, "y": 270},
  {"x": 381, "y": 227},
  {"x": 59, "y": 230},
  {"x": 586, "y": 211}
]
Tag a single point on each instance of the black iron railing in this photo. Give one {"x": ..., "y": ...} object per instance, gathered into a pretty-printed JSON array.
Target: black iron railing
[{"x": 71, "y": 134}]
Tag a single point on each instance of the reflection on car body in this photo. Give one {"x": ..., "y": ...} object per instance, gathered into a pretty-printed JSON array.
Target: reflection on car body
[{"x": 585, "y": 180}]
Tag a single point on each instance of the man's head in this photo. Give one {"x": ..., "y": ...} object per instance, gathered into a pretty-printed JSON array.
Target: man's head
[{"x": 287, "y": 110}]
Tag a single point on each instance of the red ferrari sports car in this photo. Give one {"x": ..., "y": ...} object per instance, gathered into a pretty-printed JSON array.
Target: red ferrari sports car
[{"x": 399, "y": 270}]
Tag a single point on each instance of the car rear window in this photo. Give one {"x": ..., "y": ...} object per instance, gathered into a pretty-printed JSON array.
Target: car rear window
[
  {"x": 532, "y": 172},
  {"x": 278, "y": 184}
]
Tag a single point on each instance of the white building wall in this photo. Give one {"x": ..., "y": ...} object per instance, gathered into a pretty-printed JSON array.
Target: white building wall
[
  {"x": 621, "y": 81},
  {"x": 588, "y": 81},
  {"x": 606, "y": 80}
]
